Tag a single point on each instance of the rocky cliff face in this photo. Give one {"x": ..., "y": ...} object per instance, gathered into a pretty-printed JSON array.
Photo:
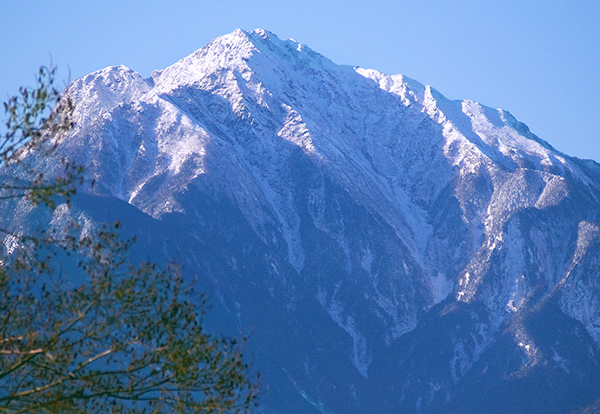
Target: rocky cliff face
[{"x": 392, "y": 250}]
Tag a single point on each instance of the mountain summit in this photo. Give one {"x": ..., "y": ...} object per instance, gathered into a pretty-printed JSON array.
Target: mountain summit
[{"x": 394, "y": 251}]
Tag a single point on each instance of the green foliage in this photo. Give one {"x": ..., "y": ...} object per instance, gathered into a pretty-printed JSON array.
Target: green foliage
[
  {"x": 36, "y": 120},
  {"x": 126, "y": 340},
  {"x": 129, "y": 339}
]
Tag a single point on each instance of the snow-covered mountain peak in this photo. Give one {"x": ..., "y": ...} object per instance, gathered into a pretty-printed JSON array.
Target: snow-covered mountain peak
[
  {"x": 359, "y": 120},
  {"x": 224, "y": 52},
  {"x": 340, "y": 208},
  {"x": 255, "y": 71},
  {"x": 258, "y": 51},
  {"x": 99, "y": 92},
  {"x": 114, "y": 82},
  {"x": 399, "y": 143},
  {"x": 257, "y": 65}
]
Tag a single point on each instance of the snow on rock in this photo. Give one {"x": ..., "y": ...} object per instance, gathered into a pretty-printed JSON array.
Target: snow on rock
[{"x": 374, "y": 194}]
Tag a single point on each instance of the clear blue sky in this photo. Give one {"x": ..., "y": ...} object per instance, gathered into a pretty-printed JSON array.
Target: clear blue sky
[{"x": 540, "y": 60}]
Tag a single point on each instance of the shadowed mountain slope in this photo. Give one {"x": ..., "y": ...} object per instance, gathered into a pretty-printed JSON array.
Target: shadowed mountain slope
[{"x": 393, "y": 251}]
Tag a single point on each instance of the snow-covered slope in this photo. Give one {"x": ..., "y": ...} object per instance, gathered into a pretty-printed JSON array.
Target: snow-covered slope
[{"x": 389, "y": 246}]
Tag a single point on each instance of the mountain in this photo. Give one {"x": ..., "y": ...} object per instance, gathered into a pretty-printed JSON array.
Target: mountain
[{"x": 391, "y": 250}]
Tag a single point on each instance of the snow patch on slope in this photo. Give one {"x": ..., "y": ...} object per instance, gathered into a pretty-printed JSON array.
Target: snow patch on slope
[{"x": 361, "y": 357}]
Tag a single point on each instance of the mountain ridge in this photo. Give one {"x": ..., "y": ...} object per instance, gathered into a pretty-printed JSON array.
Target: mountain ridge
[{"x": 368, "y": 215}]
